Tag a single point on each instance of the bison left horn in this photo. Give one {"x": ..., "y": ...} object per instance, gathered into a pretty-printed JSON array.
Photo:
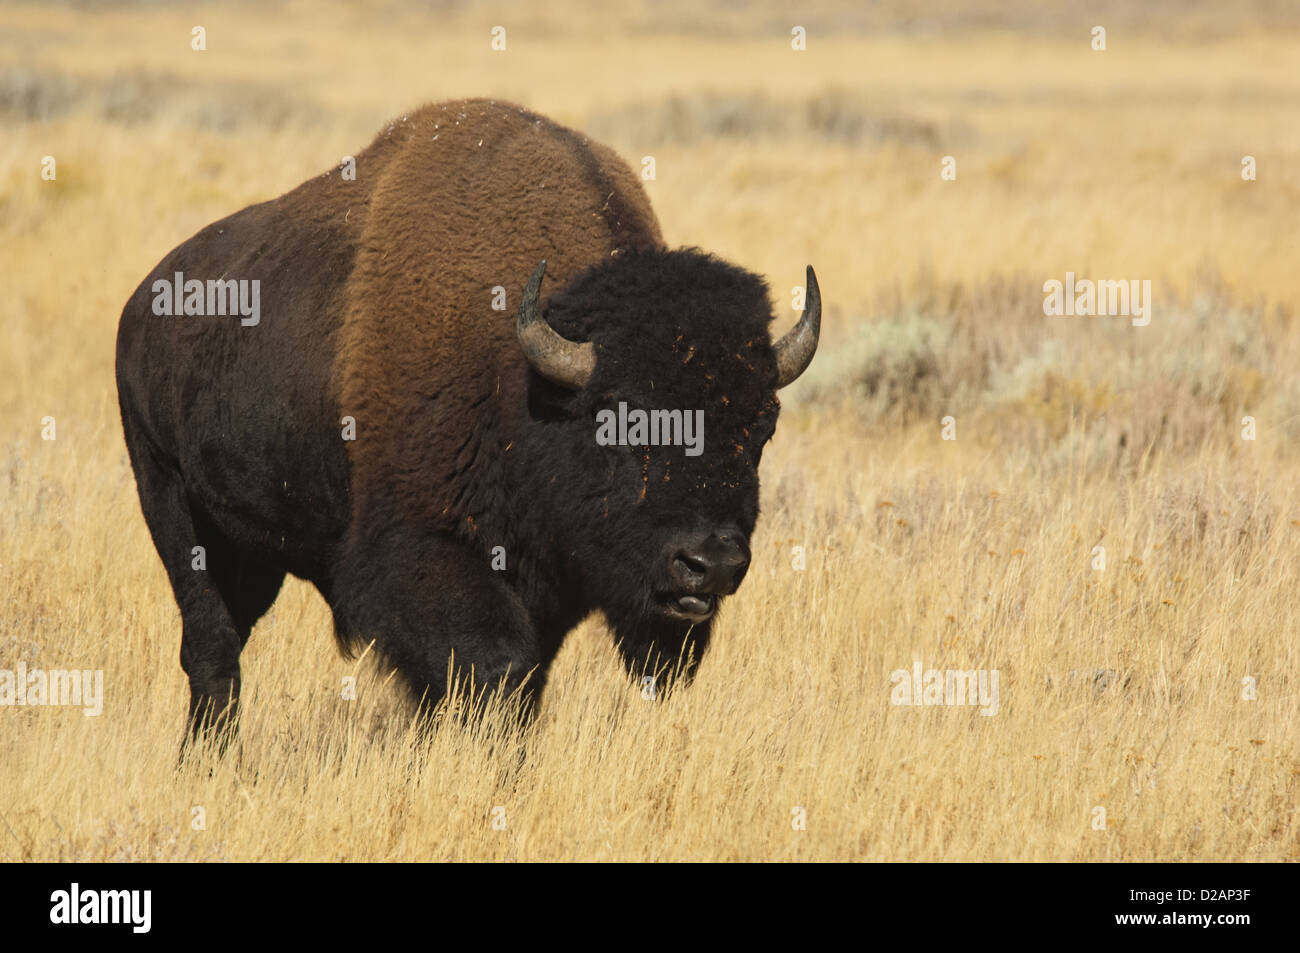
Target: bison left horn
[
  {"x": 552, "y": 355},
  {"x": 794, "y": 352}
]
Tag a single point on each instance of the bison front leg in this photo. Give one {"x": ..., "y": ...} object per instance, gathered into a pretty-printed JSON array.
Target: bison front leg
[{"x": 436, "y": 609}]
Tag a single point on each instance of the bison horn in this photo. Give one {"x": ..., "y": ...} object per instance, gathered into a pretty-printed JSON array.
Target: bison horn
[
  {"x": 555, "y": 357},
  {"x": 795, "y": 351}
]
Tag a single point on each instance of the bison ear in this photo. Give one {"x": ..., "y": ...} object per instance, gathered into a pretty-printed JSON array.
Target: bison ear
[
  {"x": 794, "y": 352},
  {"x": 555, "y": 357}
]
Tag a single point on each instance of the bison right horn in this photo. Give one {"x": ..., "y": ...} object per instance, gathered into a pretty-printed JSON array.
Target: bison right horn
[
  {"x": 552, "y": 355},
  {"x": 794, "y": 352}
]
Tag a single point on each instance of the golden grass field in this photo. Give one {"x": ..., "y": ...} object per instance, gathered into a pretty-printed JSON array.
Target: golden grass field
[{"x": 1120, "y": 688}]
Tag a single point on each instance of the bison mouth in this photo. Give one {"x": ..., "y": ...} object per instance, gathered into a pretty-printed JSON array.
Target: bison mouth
[{"x": 690, "y": 607}]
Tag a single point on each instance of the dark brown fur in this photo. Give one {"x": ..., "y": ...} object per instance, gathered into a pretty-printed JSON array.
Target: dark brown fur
[{"x": 420, "y": 300}]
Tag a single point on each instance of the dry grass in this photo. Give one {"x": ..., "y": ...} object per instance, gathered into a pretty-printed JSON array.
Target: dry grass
[{"x": 1119, "y": 688}]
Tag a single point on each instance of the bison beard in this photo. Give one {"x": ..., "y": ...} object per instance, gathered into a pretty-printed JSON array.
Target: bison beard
[{"x": 429, "y": 462}]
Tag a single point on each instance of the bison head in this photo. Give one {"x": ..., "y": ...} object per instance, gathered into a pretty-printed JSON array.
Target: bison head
[{"x": 653, "y": 396}]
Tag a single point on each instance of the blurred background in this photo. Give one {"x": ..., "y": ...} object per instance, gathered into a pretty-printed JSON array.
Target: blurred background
[
  {"x": 1121, "y": 687},
  {"x": 1122, "y": 163}
]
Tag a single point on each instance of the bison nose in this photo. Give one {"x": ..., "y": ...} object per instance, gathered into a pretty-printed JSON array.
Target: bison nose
[{"x": 714, "y": 564}]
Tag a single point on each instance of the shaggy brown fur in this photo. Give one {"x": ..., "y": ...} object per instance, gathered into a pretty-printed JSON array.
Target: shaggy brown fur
[{"x": 468, "y": 195}]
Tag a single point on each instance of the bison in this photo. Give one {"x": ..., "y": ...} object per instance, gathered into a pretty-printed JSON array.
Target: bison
[{"x": 359, "y": 408}]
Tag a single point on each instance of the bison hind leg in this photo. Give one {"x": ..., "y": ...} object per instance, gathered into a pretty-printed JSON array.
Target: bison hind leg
[
  {"x": 248, "y": 585},
  {"x": 220, "y": 594}
]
